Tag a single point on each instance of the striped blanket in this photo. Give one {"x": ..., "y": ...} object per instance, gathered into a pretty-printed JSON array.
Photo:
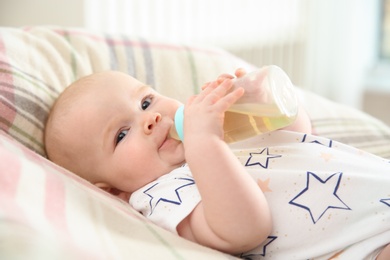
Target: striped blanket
[{"x": 56, "y": 214}]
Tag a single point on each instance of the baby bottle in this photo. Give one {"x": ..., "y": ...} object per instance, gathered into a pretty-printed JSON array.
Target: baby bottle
[{"x": 269, "y": 103}]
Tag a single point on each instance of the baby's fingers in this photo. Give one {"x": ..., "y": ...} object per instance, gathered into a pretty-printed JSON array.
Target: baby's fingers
[
  {"x": 222, "y": 97},
  {"x": 219, "y": 80},
  {"x": 240, "y": 72},
  {"x": 209, "y": 88},
  {"x": 217, "y": 92},
  {"x": 225, "y": 76},
  {"x": 206, "y": 85},
  {"x": 232, "y": 97}
]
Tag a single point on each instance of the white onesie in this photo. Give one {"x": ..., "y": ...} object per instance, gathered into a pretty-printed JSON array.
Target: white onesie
[{"x": 327, "y": 199}]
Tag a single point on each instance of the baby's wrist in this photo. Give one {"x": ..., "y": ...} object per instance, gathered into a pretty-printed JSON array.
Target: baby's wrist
[{"x": 201, "y": 141}]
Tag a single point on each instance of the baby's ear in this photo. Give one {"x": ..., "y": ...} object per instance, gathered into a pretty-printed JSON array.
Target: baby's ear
[{"x": 114, "y": 191}]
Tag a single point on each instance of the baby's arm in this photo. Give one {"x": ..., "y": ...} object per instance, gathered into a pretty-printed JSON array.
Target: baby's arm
[
  {"x": 233, "y": 216},
  {"x": 385, "y": 254}
]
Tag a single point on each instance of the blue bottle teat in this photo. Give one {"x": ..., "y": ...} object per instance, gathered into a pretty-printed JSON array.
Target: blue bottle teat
[{"x": 179, "y": 122}]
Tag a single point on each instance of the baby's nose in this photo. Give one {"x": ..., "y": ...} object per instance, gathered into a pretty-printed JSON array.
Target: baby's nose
[{"x": 151, "y": 120}]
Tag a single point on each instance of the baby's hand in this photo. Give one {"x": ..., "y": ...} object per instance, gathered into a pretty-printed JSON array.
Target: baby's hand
[
  {"x": 238, "y": 73},
  {"x": 204, "y": 113}
]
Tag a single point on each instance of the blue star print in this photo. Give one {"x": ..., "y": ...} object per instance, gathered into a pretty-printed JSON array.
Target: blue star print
[
  {"x": 313, "y": 139},
  {"x": 385, "y": 201},
  {"x": 320, "y": 195},
  {"x": 259, "y": 251},
  {"x": 262, "y": 160},
  {"x": 161, "y": 195}
]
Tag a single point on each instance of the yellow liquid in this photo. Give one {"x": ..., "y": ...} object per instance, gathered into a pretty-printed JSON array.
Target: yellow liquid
[
  {"x": 243, "y": 121},
  {"x": 256, "y": 119}
]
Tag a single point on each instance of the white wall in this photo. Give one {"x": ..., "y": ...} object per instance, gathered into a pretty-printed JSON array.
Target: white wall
[
  {"x": 41, "y": 12},
  {"x": 342, "y": 47},
  {"x": 339, "y": 49}
]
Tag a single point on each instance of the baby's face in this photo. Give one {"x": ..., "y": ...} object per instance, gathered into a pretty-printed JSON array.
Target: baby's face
[{"x": 120, "y": 133}]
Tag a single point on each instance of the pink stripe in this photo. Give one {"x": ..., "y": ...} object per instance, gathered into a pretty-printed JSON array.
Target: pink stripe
[
  {"x": 9, "y": 114},
  {"x": 55, "y": 210},
  {"x": 10, "y": 169},
  {"x": 54, "y": 204}
]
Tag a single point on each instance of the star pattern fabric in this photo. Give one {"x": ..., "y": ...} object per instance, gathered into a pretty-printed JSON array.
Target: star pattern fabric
[
  {"x": 314, "y": 139},
  {"x": 314, "y": 187},
  {"x": 261, "y": 159},
  {"x": 264, "y": 185},
  {"x": 320, "y": 195},
  {"x": 259, "y": 251},
  {"x": 172, "y": 196},
  {"x": 386, "y": 201}
]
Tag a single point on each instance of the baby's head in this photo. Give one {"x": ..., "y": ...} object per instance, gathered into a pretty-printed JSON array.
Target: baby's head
[{"x": 112, "y": 130}]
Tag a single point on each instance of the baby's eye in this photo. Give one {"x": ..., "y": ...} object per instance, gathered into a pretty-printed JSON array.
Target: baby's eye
[
  {"x": 146, "y": 102},
  {"x": 120, "y": 136}
]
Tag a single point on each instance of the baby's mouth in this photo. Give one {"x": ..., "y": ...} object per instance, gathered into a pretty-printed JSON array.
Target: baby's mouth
[
  {"x": 173, "y": 133},
  {"x": 170, "y": 136},
  {"x": 169, "y": 140},
  {"x": 165, "y": 138}
]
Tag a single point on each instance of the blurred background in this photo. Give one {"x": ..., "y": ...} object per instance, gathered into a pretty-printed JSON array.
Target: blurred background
[{"x": 339, "y": 49}]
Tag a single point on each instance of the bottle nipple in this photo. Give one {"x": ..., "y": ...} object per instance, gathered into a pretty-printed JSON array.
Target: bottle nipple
[
  {"x": 173, "y": 133},
  {"x": 176, "y": 130}
]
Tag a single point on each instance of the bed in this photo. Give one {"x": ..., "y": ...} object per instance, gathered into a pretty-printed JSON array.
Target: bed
[{"x": 51, "y": 213}]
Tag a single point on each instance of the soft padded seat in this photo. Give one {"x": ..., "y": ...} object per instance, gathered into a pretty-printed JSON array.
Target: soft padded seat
[{"x": 53, "y": 214}]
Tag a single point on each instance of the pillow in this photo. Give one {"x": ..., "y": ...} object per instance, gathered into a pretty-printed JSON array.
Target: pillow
[
  {"x": 347, "y": 125},
  {"x": 47, "y": 212},
  {"x": 50, "y": 212},
  {"x": 37, "y": 63}
]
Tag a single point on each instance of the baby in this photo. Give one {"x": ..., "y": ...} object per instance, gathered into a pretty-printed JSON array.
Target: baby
[{"x": 113, "y": 131}]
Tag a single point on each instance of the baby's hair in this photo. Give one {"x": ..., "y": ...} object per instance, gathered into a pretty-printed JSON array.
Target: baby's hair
[{"x": 63, "y": 108}]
